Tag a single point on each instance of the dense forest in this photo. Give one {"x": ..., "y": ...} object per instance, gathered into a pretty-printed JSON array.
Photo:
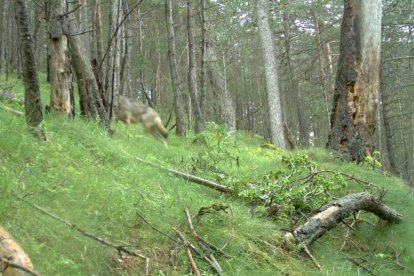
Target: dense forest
[{"x": 291, "y": 75}]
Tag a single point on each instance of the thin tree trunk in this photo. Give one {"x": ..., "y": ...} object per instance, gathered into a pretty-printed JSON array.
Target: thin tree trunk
[
  {"x": 33, "y": 105},
  {"x": 192, "y": 83},
  {"x": 125, "y": 59},
  {"x": 272, "y": 83},
  {"x": 294, "y": 91},
  {"x": 218, "y": 83},
  {"x": 176, "y": 85},
  {"x": 203, "y": 71}
]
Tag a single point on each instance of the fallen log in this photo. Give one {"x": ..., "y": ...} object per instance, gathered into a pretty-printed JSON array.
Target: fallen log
[
  {"x": 333, "y": 213},
  {"x": 13, "y": 260}
]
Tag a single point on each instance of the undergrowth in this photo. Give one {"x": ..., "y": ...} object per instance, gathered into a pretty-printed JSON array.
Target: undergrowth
[{"x": 97, "y": 183}]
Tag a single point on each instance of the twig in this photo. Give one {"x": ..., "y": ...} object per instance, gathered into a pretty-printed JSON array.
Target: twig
[
  {"x": 348, "y": 230},
  {"x": 205, "y": 245},
  {"x": 20, "y": 267},
  {"x": 116, "y": 31},
  {"x": 306, "y": 249},
  {"x": 71, "y": 11},
  {"x": 197, "y": 236},
  {"x": 153, "y": 227},
  {"x": 119, "y": 248},
  {"x": 354, "y": 261},
  {"x": 188, "y": 247}
]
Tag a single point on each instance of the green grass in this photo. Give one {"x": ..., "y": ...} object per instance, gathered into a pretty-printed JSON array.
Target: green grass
[{"x": 96, "y": 183}]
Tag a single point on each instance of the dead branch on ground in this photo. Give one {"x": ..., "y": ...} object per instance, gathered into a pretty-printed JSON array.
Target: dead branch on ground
[{"x": 333, "y": 213}]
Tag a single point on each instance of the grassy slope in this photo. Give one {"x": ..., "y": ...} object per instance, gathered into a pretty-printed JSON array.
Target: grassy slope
[{"x": 96, "y": 183}]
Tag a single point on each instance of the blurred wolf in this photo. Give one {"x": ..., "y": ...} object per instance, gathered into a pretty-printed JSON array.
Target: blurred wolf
[{"x": 131, "y": 112}]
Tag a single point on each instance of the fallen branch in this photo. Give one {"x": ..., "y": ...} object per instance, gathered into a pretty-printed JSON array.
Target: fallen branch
[
  {"x": 205, "y": 245},
  {"x": 191, "y": 178},
  {"x": 119, "y": 248},
  {"x": 331, "y": 214},
  {"x": 188, "y": 247}
]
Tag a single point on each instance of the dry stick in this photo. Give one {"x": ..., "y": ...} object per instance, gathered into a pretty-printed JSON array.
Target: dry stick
[
  {"x": 188, "y": 247},
  {"x": 191, "y": 178},
  {"x": 20, "y": 267},
  {"x": 120, "y": 248},
  {"x": 306, "y": 249},
  {"x": 205, "y": 245},
  {"x": 348, "y": 230}
]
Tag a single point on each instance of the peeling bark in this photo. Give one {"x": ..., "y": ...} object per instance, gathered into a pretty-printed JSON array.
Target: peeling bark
[
  {"x": 353, "y": 117},
  {"x": 333, "y": 213}
]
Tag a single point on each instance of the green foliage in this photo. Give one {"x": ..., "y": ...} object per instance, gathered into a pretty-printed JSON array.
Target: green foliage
[
  {"x": 297, "y": 185},
  {"x": 373, "y": 160}
]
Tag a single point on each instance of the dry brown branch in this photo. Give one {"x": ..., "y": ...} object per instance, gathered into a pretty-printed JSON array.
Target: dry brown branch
[{"x": 188, "y": 247}]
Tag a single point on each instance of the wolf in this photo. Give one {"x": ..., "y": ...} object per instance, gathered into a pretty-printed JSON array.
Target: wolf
[{"x": 131, "y": 112}]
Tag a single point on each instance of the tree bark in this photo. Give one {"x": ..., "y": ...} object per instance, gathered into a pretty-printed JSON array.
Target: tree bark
[
  {"x": 90, "y": 99},
  {"x": 192, "y": 83},
  {"x": 333, "y": 213},
  {"x": 218, "y": 83},
  {"x": 272, "y": 83},
  {"x": 203, "y": 69},
  {"x": 33, "y": 105},
  {"x": 353, "y": 116},
  {"x": 126, "y": 53},
  {"x": 293, "y": 85},
  {"x": 176, "y": 85},
  {"x": 59, "y": 60}
]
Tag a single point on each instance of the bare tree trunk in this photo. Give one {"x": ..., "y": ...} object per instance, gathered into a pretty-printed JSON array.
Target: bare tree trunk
[
  {"x": 112, "y": 82},
  {"x": 59, "y": 61},
  {"x": 218, "y": 83},
  {"x": 272, "y": 83},
  {"x": 176, "y": 85},
  {"x": 33, "y": 105},
  {"x": 322, "y": 75},
  {"x": 192, "y": 83},
  {"x": 3, "y": 40},
  {"x": 125, "y": 59},
  {"x": 90, "y": 99},
  {"x": 353, "y": 116},
  {"x": 388, "y": 133},
  {"x": 203, "y": 73},
  {"x": 294, "y": 91}
]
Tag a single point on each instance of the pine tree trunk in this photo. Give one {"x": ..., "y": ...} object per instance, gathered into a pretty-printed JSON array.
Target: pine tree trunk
[
  {"x": 272, "y": 83},
  {"x": 192, "y": 83},
  {"x": 353, "y": 118},
  {"x": 33, "y": 105},
  {"x": 90, "y": 99},
  {"x": 176, "y": 85},
  {"x": 218, "y": 83}
]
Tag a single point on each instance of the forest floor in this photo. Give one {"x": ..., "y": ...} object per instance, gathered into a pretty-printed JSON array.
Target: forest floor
[{"x": 99, "y": 185}]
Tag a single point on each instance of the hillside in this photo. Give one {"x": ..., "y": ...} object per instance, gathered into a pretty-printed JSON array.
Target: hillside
[{"x": 98, "y": 184}]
